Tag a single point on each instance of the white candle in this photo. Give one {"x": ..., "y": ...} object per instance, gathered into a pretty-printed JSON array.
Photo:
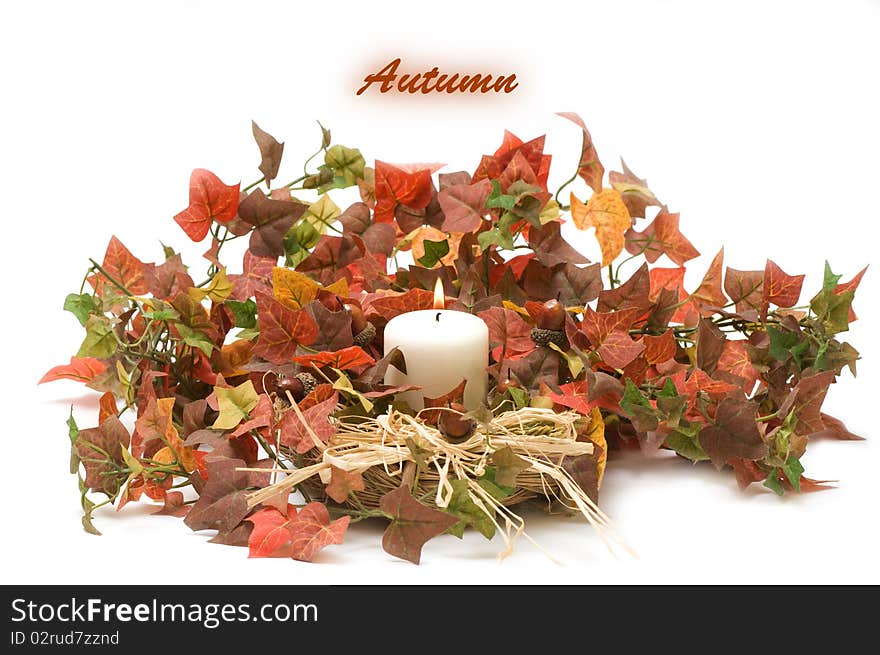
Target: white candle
[{"x": 441, "y": 347}]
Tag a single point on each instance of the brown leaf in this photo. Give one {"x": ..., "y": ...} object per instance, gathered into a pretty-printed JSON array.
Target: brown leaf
[
  {"x": 734, "y": 434},
  {"x": 463, "y": 205},
  {"x": 454, "y": 395},
  {"x": 834, "y": 428},
  {"x": 590, "y": 168},
  {"x": 222, "y": 504},
  {"x": 100, "y": 451},
  {"x": 661, "y": 237},
  {"x": 342, "y": 483},
  {"x": 745, "y": 289},
  {"x": 412, "y": 524},
  {"x": 271, "y": 220},
  {"x": 551, "y": 249},
  {"x": 509, "y": 334},
  {"x": 573, "y": 285},
  {"x": 810, "y": 394},
  {"x": 780, "y": 288},
  {"x": 270, "y": 151},
  {"x": 634, "y": 293},
  {"x": 710, "y": 344},
  {"x": 294, "y": 434},
  {"x": 281, "y": 329}
]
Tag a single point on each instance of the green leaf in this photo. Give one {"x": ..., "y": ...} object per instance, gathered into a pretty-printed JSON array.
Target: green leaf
[
  {"x": 347, "y": 164},
  {"x": 519, "y": 396},
  {"x": 81, "y": 306},
  {"x": 492, "y": 487},
  {"x": 793, "y": 470},
  {"x": 784, "y": 343},
  {"x": 669, "y": 390},
  {"x": 343, "y": 384},
  {"x": 234, "y": 404},
  {"x": 632, "y": 396},
  {"x": 461, "y": 505},
  {"x": 100, "y": 341},
  {"x": 498, "y": 199},
  {"x": 772, "y": 483},
  {"x": 574, "y": 361},
  {"x": 434, "y": 252},
  {"x": 298, "y": 241},
  {"x": 832, "y": 310},
  {"x": 830, "y": 279},
  {"x": 245, "y": 313},
  {"x": 195, "y": 338},
  {"x": 686, "y": 446},
  {"x": 73, "y": 433}
]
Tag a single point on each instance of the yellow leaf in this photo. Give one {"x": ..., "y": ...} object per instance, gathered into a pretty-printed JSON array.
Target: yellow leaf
[
  {"x": 321, "y": 214},
  {"x": 508, "y": 304},
  {"x": 550, "y": 212},
  {"x": 218, "y": 289},
  {"x": 339, "y": 287},
  {"x": 292, "y": 288},
  {"x": 235, "y": 404},
  {"x": 606, "y": 212},
  {"x": 596, "y": 434}
]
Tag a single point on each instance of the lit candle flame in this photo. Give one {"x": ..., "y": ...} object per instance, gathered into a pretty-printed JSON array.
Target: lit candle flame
[{"x": 439, "y": 295}]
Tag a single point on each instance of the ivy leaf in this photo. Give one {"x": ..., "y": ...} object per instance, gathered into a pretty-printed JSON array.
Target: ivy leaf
[
  {"x": 710, "y": 342},
  {"x": 659, "y": 349},
  {"x": 852, "y": 285},
  {"x": 312, "y": 530},
  {"x": 633, "y": 190},
  {"x": 293, "y": 289},
  {"x": 331, "y": 255},
  {"x": 245, "y": 313},
  {"x": 835, "y": 429},
  {"x": 218, "y": 289},
  {"x": 281, "y": 329},
  {"x": 661, "y": 237},
  {"x": 270, "y": 151},
  {"x": 434, "y": 252},
  {"x": 209, "y": 200},
  {"x": 632, "y": 294},
  {"x": 832, "y": 310},
  {"x": 780, "y": 288},
  {"x": 509, "y": 334},
  {"x": 222, "y": 504},
  {"x": 551, "y": 249},
  {"x": 590, "y": 169},
  {"x": 734, "y": 432},
  {"x": 709, "y": 293},
  {"x": 122, "y": 266},
  {"x": 745, "y": 289},
  {"x": 584, "y": 470},
  {"x": 271, "y": 219},
  {"x": 454, "y": 395},
  {"x": 342, "y": 483},
  {"x": 256, "y": 275},
  {"x": 80, "y": 369},
  {"x": 810, "y": 393},
  {"x": 390, "y": 305},
  {"x": 786, "y": 343},
  {"x": 261, "y": 415},
  {"x": 396, "y": 186},
  {"x": 573, "y": 285},
  {"x": 271, "y": 535},
  {"x": 541, "y": 365},
  {"x": 412, "y": 524},
  {"x": 347, "y": 165},
  {"x": 499, "y": 200},
  {"x": 296, "y": 435},
  {"x": 100, "y": 451},
  {"x": 606, "y": 212},
  {"x": 100, "y": 341},
  {"x": 234, "y": 404},
  {"x": 468, "y": 513},
  {"x": 463, "y": 205},
  {"x": 508, "y": 465},
  {"x": 80, "y": 305},
  {"x": 169, "y": 278},
  {"x": 735, "y": 359},
  {"x": 793, "y": 469},
  {"x": 346, "y": 359}
]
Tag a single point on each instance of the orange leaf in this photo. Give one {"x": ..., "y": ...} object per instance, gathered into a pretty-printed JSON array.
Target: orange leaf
[
  {"x": 123, "y": 267},
  {"x": 107, "y": 407},
  {"x": 312, "y": 530},
  {"x": 342, "y": 483},
  {"x": 780, "y": 288},
  {"x": 353, "y": 357},
  {"x": 81, "y": 369},
  {"x": 209, "y": 200},
  {"x": 606, "y": 212},
  {"x": 396, "y": 186},
  {"x": 661, "y": 348},
  {"x": 710, "y": 292},
  {"x": 662, "y": 236}
]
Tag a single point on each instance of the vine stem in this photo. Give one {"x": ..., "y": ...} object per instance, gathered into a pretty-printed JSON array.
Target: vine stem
[{"x": 110, "y": 278}]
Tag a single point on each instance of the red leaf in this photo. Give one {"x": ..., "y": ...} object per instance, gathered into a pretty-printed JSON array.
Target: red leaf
[
  {"x": 256, "y": 275},
  {"x": 122, "y": 266},
  {"x": 662, "y": 236},
  {"x": 780, "y": 288},
  {"x": 107, "y": 407},
  {"x": 589, "y": 167},
  {"x": 395, "y": 186},
  {"x": 835, "y": 429},
  {"x": 598, "y": 325},
  {"x": 331, "y": 256},
  {"x": 351, "y": 358},
  {"x": 618, "y": 349},
  {"x": 455, "y": 395},
  {"x": 852, "y": 285},
  {"x": 209, "y": 200},
  {"x": 735, "y": 359},
  {"x": 167, "y": 279},
  {"x": 810, "y": 394},
  {"x": 282, "y": 329},
  {"x": 271, "y": 534},
  {"x": 81, "y": 369},
  {"x": 659, "y": 349},
  {"x": 509, "y": 334},
  {"x": 313, "y": 530},
  {"x": 745, "y": 289},
  {"x": 463, "y": 205},
  {"x": 634, "y": 293},
  {"x": 342, "y": 483},
  {"x": 295, "y": 435},
  {"x": 390, "y": 305},
  {"x": 710, "y": 292}
]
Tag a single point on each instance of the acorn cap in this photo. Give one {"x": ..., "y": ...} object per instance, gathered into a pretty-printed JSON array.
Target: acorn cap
[
  {"x": 544, "y": 337},
  {"x": 366, "y": 335}
]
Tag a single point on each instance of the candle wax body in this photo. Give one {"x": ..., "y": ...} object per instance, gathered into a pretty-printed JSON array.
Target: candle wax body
[{"x": 439, "y": 354}]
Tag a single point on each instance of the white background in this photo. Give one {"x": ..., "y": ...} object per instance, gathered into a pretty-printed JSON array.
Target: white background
[{"x": 758, "y": 122}]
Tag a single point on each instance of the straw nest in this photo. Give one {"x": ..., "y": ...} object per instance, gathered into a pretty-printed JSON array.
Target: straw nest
[{"x": 398, "y": 448}]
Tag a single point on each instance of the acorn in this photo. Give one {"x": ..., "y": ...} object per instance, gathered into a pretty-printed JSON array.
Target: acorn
[
  {"x": 454, "y": 426},
  {"x": 544, "y": 337},
  {"x": 365, "y": 336},
  {"x": 299, "y": 386},
  {"x": 551, "y": 316},
  {"x": 358, "y": 320}
]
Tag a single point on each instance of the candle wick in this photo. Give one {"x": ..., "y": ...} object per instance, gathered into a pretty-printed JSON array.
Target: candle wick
[{"x": 438, "y": 317}]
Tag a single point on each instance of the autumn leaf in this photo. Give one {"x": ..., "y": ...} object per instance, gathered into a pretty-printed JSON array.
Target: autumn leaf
[
  {"x": 779, "y": 288},
  {"x": 222, "y": 504},
  {"x": 313, "y": 530},
  {"x": 634, "y": 293},
  {"x": 346, "y": 359},
  {"x": 256, "y": 275},
  {"x": 541, "y": 365},
  {"x": 606, "y": 212},
  {"x": 261, "y": 415},
  {"x": 293, "y": 289},
  {"x": 809, "y": 395},
  {"x": 735, "y": 359},
  {"x": 551, "y": 248},
  {"x": 633, "y": 190},
  {"x": 342, "y": 483},
  {"x": 80, "y": 369},
  {"x": 852, "y": 285},
  {"x": 209, "y": 200},
  {"x": 462, "y": 506},
  {"x": 661, "y": 237},
  {"x": 271, "y": 219},
  {"x": 590, "y": 169},
  {"x": 509, "y": 334},
  {"x": 234, "y": 404},
  {"x": 454, "y": 395},
  {"x": 121, "y": 265},
  {"x": 508, "y": 465},
  {"x": 412, "y": 524},
  {"x": 745, "y": 289},
  {"x": 709, "y": 295},
  {"x": 218, "y": 289},
  {"x": 463, "y": 205},
  {"x": 660, "y": 348},
  {"x": 395, "y": 186},
  {"x": 270, "y": 151},
  {"x": 390, "y": 305},
  {"x": 709, "y": 345},
  {"x": 281, "y": 329},
  {"x": 734, "y": 433},
  {"x": 296, "y": 433},
  {"x": 572, "y": 285},
  {"x": 331, "y": 256},
  {"x": 167, "y": 279},
  {"x": 100, "y": 451}
]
